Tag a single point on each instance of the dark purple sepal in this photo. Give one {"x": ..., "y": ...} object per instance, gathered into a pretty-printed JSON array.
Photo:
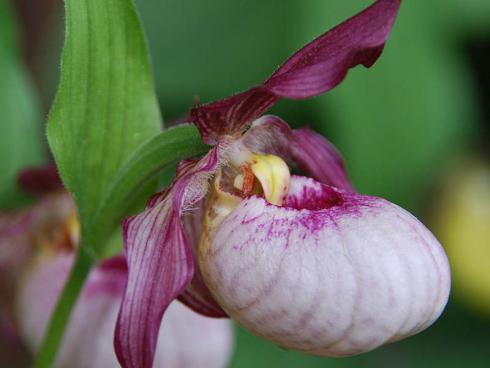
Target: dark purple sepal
[
  {"x": 310, "y": 151},
  {"x": 159, "y": 260},
  {"x": 323, "y": 63},
  {"x": 230, "y": 115},
  {"x": 39, "y": 180},
  {"x": 198, "y": 297},
  {"x": 108, "y": 278},
  {"x": 315, "y": 69}
]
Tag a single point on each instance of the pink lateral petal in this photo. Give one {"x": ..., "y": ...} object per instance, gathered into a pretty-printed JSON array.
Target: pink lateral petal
[
  {"x": 315, "y": 69},
  {"x": 160, "y": 262}
]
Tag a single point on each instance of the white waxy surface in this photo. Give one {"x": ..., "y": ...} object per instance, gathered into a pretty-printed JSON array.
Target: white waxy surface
[{"x": 334, "y": 282}]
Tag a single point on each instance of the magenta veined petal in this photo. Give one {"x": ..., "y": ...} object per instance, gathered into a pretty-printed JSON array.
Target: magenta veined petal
[
  {"x": 160, "y": 262},
  {"x": 315, "y": 69},
  {"x": 160, "y": 265},
  {"x": 310, "y": 151},
  {"x": 323, "y": 63},
  {"x": 330, "y": 273}
]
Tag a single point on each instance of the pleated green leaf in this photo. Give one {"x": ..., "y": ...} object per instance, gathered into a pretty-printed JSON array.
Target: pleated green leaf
[{"x": 105, "y": 106}]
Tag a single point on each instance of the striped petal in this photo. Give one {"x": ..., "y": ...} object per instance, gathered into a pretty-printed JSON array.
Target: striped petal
[
  {"x": 160, "y": 261},
  {"x": 316, "y": 68}
]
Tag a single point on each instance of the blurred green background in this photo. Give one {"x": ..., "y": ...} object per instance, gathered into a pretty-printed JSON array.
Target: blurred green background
[{"x": 421, "y": 113}]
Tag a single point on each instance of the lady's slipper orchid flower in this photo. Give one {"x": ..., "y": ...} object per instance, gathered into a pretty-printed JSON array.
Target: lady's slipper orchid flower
[
  {"x": 306, "y": 263},
  {"x": 88, "y": 339}
]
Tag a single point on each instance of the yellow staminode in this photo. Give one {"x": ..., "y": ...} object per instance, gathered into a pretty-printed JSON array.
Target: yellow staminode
[{"x": 273, "y": 174}]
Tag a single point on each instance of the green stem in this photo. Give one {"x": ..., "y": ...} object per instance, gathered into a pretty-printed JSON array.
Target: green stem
[{"x": 57, "y": 325}]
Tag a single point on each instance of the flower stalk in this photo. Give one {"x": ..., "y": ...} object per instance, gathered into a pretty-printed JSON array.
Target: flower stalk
[{"x": 54, "y": 334}]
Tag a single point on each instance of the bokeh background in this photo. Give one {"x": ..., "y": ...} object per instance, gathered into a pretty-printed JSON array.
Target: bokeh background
[{"x": 414, "y": 129}]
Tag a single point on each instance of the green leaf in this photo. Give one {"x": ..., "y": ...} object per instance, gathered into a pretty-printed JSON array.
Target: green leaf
[
  {"x": 134, "y": 183},
  {"x": 105, "y": 106},
  {"x": 20, "y": 123},
  {"x": 78, "y": 274}
]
